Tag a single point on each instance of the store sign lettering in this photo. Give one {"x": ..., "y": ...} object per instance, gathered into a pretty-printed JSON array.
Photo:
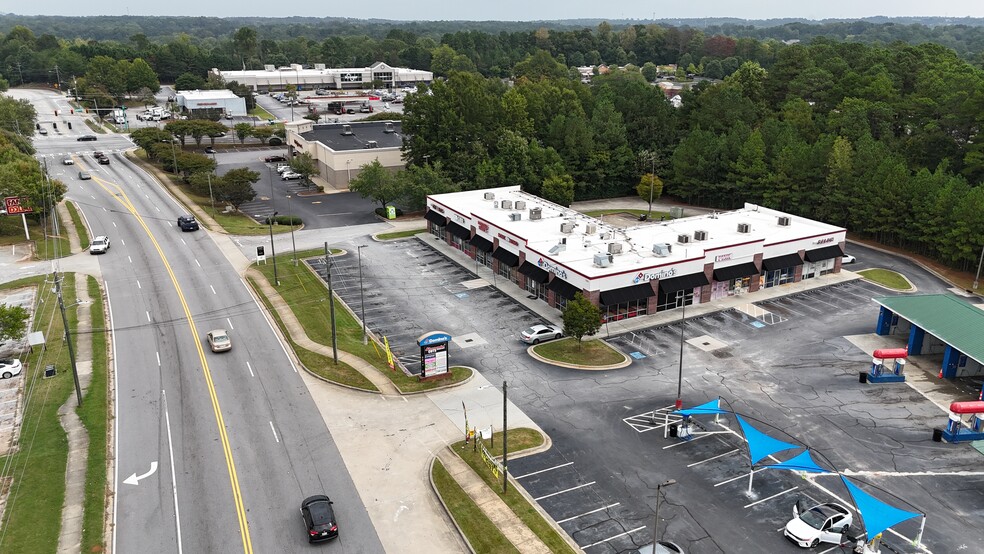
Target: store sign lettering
[
  {"x": 825, "y": 241},
  {"x": 509, "y": 240},
  {"x": 437, "y": 209},
  {"x": 483, "y": 226},
  {"x": 722, "y": 257},
  {"x": 458, "y": 219},
  {"x": 644, "y": 277},
  {"x": 555, "y": 269}
]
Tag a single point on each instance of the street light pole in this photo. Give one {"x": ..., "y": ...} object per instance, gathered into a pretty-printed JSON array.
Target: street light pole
[
  {"x": 273, "y": 250},
  {"x": 362, "y": 295},
  {"x": 977, "y": 278},
  {"x": 659, "y": 492},
  {"x": 293, "y": 245},
  {"x": 652, "y": 185},
  {"x": 683, "y": 324}
]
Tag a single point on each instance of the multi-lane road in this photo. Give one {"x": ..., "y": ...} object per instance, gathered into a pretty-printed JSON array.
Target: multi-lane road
[{"x": 214, "y": 452}]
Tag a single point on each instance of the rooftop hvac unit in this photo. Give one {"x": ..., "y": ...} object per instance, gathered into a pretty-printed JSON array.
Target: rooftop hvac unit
[
  {"x": 602, "y": 260},
  {"x": 700, "y": 235},
  {"x": 606, "y": 236},
  {"x": 515, "y": 216},
  {"x": 490, "y": 196},
  {"x": 566, "y": 227},
  {"x": 662, "y": 250},
  {"x": 371, "y": 144},
  {"x": 590, "y": 229},
  {"x": 520, "y": 205},
  {"x": 683, "y": 239},
  {"x": 347, "y": 130},
  {"x": 506, "y": 204},
  {"x": 614, "y": 247},
  {"x": 388, "y": 128},
  {"x": 536, "y": 213},
  {"x": 744, "y": 228},
  {"x": 784, "y": 221}
]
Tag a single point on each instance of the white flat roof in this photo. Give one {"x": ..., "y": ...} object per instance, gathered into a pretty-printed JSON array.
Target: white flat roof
[
  {"x": 207, "y": 94},
  {"x": 724, "y": 244},
  {"x": 303, "y": 73}
]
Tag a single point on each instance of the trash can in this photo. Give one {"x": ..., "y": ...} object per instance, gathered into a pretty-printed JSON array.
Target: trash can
[
  {"x": 863, "y": 377},
  {"x": 673, "y": 430},
  {"x": 937, "y": 435}
]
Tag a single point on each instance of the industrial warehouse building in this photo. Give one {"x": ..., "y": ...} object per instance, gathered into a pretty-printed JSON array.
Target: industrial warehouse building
[
  {"x": 221, "y": 101},
  {"x": 332, "y": 78},
  {"x": 554, "y": 252},
  {"x": 341, "y": 149}
]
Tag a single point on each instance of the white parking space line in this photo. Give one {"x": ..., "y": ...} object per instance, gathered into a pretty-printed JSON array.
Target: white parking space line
[
  {"x": 713, "y": 458},
  {"x": 158, "y": 359},
  {"x": 250, "y": 368},
  {"x": 790, "y": 310},
  {"x": 542, "y": 470},
  {"x": 603, "y": 508},
  {"x": 148, "y": 315},
  {"x": 613, "y": 538},
  {"x": 129, "y": 259},
  {"x": 274, "y": 433},
  {"x": 563, "y": 491},
  {"x": 196, "y": 261},
  {"x": 674, "y": 445},
  {"x": 114, "y": 223},
  {"x": 138, "y": 284},
  {"x": 213, "y": 289},
  {"x": 122, "y": 242},
  {"x": 231, "y": 326},
  {"x": 771, "y": 497}
]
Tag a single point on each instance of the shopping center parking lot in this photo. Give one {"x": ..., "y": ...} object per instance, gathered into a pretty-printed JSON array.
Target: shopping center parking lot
[{"x": 788, "y": 364}]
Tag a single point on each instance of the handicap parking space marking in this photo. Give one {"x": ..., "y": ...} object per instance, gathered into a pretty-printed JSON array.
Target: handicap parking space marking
[{"x": 655, "y": 419}]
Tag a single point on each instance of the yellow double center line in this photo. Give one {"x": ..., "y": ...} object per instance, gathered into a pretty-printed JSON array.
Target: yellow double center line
[{"x": 237, "y": 495}]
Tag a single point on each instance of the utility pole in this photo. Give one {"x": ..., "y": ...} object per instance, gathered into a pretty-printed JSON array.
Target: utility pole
[
  {"x": 58, "y": 76},
  {"x": 978, "y": 277},
  {"x": 652, "y": 185},
  {"x": 505, "y": 443},
  {"x": 683, "y": 325},
  {"x": 68, "y": 339},
  {"x": 273, "y": 250},
  {"x": 331, "y": 305}
]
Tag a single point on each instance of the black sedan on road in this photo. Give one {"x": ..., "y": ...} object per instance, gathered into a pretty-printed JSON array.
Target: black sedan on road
[{"x": 319, "y": 518}]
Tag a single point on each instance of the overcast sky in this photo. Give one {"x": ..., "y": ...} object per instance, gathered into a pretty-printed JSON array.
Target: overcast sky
[{"x": 511, "y": 10}]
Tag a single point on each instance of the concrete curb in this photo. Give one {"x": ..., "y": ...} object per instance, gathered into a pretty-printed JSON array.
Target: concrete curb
[
  {"x": 879, "y": 248},
  {"x": 912, "y": 288},
  {"x": 443, "y": 388},
  {"x": 447, "y": 511},
  {"x": 626, "y": 361}
]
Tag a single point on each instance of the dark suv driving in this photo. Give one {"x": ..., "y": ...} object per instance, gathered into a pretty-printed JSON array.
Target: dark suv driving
[
  {"x": 187, "y": 223},
  {"x": 319, "y": 518}
]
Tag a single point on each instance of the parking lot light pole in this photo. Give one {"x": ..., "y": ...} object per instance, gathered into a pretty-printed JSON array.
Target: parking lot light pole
[
  {"x": 659, "y": 492},
  {"x": 273, "y": 250},
  {"x": 362, "y": 295},
  {"x": 683, "y": 324},
  {"x": 293, "y": 245},
  {"x": 977, "y": 278}
]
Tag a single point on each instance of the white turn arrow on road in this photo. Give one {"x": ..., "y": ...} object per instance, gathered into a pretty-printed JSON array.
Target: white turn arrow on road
[{"x": 135, "y": 479}]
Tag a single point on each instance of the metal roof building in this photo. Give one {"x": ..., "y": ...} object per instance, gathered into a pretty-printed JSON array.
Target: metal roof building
[
  {"x": 224, "y": 101},
  {"x": 937, "y": 323},
  {"x": 554, "y": 252},
  {"x": 321, "y": 76}
]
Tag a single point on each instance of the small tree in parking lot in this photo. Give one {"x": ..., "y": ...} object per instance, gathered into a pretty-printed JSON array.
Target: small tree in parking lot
[
  {"x": 304, "y": 164},
  {"x": 13, "y": 322},
  {"x": 237, "y": 186},
  {"x": 581, "y": 317},
  {"x": 243, "y": 131}
]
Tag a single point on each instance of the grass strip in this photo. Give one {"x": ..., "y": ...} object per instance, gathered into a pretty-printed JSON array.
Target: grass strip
[
  {"x": 590, "y": 352},
  {"x": 519, "y": 439},
  {"x": 79, "y": 227},
  {"x": 886, "y": 278},
  {"x": 94, "y": 414},
  {"x": 95, "y": 126},
  {"x": 483, "y": 535},
  {"x": 307, "y": 297},
  {"x": 399, "y": 234},
  {"x": 32, "y": 517}
]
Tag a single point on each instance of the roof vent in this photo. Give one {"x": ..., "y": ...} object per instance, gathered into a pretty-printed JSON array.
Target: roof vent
[
  {"x": 590, "y": 229},
  {"x": 567, "y": 227},
  {"x": 606, "y": 236},
  {"x": 347, "y": 130},
  {"x": 784, "y": 221},
  {"x": 744, "y": 228},
  {"x": 614, "y": 247},
  {"x": 700, "y": 235},
  {"x": 516, "y": 216},
  {"x": 602, "y": 260},
  {"x": 520, "y": 205},
  {"x": 371, "y": 144},
  {"x": 506, "y": 204},
  {"x": 559, "y": 247},
  {"x": 536, "y": 213},
  {"x": 683, "y": 239},
  {"x": 663, "y": 249},
  {"x": 490, "y": 196}
]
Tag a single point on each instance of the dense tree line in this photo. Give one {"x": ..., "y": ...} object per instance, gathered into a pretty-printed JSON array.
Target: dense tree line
[{"x": 20, "y": 173}]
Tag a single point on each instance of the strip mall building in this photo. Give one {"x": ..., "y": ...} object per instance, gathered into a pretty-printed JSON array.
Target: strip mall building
[{"x": 554, "y": 252}]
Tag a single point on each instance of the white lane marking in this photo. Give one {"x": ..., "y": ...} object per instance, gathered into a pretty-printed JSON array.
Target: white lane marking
[
  {"x": 129, "y": 259},
  {"x": 174, "y": 480},
  {"x": 770, "y": 497},
  {"x": 114, "y": 223},
  {"x": 563, "y": 491},
  {"x": 250, "y": 368},
  {"x": 613, "y": 538},
  {"x": 183, "y": 242},
  {"x": 725, "y": 482},
  {"x": 138, "y": 284},
  {"x": 713, "y": 458},
  {"x": 135, "y": 479},
  {"x": 213, "y": 289},
  {"x": 274, "y": 433},
  {"x": 589, "y": 513},
  {"x": 231, "y": 326},
  {"x": 158, "y": 208},
  {"x": 122, "y": 242},
  {"x": 116, "y": 419},
  {"x": 158, "y": 358},
  {"x": 542, "y": 470},
  {"x": 196, "y": 261},
  {"x": 270, "y": 323}
]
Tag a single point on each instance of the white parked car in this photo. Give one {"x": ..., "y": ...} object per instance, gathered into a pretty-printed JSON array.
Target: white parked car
[
  {"x": 10, "y": 367},
  {"x": 848, "y": 259},
  {"x": 821, "y": 523},
  {"x": 539, "y": 333},
  {"x": 290, "y": 176}
]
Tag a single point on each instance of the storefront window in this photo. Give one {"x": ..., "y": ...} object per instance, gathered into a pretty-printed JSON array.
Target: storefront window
[
  {"x": 561, "y": 302},
  {"x": 484, "y": 258},
  {"x": 673, "y": 300},
  {"x": 438, "y": 231},
  {"x": 780, "y": 276},
  {"x": 505, "y": 271},
  {"x": 536, "y": 288},
  {"x": 626, "y": 310},
  {"x": 457, "y": 243}
]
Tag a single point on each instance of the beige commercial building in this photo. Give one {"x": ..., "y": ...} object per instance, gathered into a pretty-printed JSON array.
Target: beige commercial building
[{"x": 342, "y": 149}]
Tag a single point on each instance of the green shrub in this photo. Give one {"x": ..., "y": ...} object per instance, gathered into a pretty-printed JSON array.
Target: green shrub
[
  {"x": 275, "y": 141},
  {"x": 284, "y": 220}
]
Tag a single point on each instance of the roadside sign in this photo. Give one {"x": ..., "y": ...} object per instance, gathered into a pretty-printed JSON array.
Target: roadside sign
[{"x": 17, "y": 205}]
